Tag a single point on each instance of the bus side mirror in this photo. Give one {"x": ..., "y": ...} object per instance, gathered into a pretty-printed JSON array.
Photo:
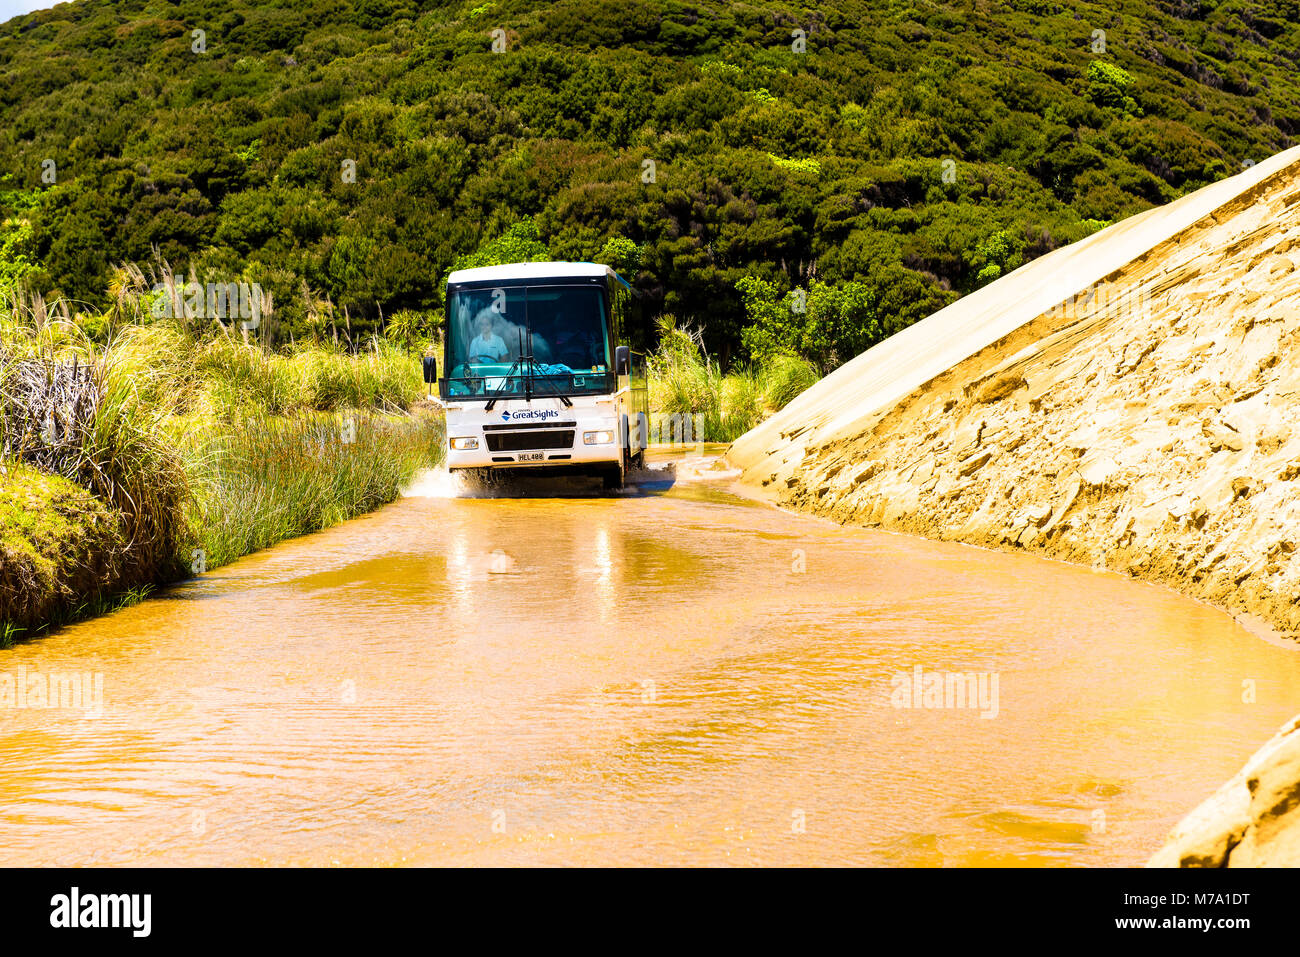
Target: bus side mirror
[
  {"x": 622, "y": 361},
  {"x": 430, "y": 370}
]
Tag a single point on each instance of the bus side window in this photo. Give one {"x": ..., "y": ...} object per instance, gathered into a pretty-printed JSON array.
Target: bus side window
[
  {"x": 636, "y": 330},
  {"x": 619, "y": 303}
]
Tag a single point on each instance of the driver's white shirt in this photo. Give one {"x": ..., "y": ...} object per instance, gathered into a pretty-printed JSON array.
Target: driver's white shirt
[{"x": 493, "y": 346}]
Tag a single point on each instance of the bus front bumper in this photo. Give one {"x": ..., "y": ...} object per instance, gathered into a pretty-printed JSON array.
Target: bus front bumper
[{"x": 579, "y": 455}]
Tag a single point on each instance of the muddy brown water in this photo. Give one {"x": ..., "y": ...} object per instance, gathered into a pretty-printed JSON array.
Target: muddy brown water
[{"x": 673, "y": 676}]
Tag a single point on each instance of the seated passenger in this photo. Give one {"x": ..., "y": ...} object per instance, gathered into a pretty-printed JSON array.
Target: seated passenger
[{"x": 573, "y": 348}]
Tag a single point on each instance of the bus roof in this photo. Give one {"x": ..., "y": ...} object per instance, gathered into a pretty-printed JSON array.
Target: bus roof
[{"x": 533, "y": 271}]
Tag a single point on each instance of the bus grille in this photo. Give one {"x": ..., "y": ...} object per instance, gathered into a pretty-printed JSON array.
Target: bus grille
[{"x": 526, "y": 441}]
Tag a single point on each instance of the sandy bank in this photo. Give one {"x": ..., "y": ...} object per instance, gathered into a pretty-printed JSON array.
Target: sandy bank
[
  {"x": 1146, "y": 420},
  {"x": 1252, "y": 821}
]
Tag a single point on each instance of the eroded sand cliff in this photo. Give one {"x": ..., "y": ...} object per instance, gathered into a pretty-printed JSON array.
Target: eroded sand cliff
[
  {"x": 1148, "y": 422},
  {"x": 1252, "y": 821}
]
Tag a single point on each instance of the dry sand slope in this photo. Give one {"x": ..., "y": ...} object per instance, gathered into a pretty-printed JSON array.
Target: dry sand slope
[{"x": 1132, "y": 401}]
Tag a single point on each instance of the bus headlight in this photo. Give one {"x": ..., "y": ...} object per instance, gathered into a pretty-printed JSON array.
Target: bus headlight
[
  {"x": 464, "y": 445},
  {"x": 597, "y": 438}
]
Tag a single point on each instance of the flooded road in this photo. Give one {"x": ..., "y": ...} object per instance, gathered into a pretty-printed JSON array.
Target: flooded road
[{"x": 679, "y": 676}]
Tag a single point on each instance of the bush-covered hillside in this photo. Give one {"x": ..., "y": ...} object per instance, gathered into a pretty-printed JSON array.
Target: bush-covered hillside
[{"x": 346, "y": 154}]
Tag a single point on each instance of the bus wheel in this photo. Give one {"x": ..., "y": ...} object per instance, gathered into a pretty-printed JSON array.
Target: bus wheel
[
  {"x": 615, "y": 474},
  {"x": 616, "y": 477}
]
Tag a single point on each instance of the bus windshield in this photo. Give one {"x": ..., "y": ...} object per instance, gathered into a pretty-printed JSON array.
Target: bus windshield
[{"x": 516, "y": 340}]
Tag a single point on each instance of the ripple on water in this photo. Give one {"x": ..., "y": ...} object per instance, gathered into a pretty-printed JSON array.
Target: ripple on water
[{"x": 668, "y": 676}]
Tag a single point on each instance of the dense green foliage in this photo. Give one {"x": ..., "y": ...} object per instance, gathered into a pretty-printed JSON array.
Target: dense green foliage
[{"x": 915, "y": 151}]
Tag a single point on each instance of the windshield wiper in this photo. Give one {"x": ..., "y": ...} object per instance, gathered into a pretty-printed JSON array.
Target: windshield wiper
[
  {"x": 528, "y": 376},
  {"x": 506, "y": 381}
]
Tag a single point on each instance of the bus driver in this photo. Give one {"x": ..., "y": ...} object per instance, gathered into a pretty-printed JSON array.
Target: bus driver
[{"x": 487, "y": 346}]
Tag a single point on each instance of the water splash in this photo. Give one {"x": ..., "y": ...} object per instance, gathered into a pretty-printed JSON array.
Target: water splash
[
  {"x": 436, "y": 483},
  {"x": 442, "y": 483}
]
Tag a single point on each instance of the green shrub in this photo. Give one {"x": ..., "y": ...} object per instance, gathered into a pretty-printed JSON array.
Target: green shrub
[
  {"x": 1108, "y": 85},
  {"x": 59, "y": 545},
  {"x": 684, "y": 380},
  {"x": 784, "y": 378}
]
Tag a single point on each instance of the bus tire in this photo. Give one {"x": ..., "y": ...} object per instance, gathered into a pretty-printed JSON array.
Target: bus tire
[{"x": 626, "y": 455}]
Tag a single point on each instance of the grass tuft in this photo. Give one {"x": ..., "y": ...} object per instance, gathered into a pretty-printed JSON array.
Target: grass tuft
[{"x": 685, "y": 380}]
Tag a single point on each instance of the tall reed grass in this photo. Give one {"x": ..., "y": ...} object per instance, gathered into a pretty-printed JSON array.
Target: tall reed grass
[
  {"x": 684, "y": 379},
  {"x": 87, "y": 418},
  {"x": 315, "y": 378},
  {"x": 222, "y": 374},
  {"x": 264, "y": 479},
  {"x": 196, "y": 442}
]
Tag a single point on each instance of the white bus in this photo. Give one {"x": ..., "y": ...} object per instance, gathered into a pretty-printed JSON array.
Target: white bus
[{"x": 538, "y": 372}]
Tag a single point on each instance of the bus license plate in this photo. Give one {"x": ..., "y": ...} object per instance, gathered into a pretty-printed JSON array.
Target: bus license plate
[{"x": 531, "y": 456}]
